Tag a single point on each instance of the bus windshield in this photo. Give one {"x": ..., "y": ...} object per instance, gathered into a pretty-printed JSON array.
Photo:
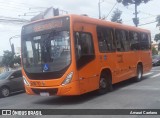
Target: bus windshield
[{"x": 48, "y": 52}]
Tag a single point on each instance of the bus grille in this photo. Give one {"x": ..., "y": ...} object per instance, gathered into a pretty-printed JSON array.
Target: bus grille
[{"x": 50, "y": 91}]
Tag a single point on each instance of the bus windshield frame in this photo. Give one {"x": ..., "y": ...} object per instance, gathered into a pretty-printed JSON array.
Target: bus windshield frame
[{"x": 46, "y": 47}]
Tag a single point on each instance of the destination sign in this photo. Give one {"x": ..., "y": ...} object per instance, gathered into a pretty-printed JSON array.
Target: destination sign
[
  {"x": 57, "y": 23},
  {"x": 46, "y": 26}
]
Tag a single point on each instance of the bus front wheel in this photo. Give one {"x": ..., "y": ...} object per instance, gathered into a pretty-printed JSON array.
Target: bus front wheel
[{"x": 105, "y": 83}]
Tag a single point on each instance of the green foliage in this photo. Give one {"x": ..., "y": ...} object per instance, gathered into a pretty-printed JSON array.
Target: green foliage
[
  {"x": 154, "y": 51},
  {"x": 9, "y": 59},
  {"x": 17, "y": 59},
  {"x": 157, "y": 37},
  {"x": 1, "y": 64},
  {"x": 116, "y": 17},
  {"x": 158, "y": 21},
  {"x": 136, "y": 3},
  {"x": 129, "y": 2}
]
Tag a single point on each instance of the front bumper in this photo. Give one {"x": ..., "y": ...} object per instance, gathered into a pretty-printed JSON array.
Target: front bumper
[{"x": 72, "y": 88}]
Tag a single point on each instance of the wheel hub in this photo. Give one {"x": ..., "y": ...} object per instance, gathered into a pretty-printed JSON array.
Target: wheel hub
[
  {"x": 5, "y": 92},
  {"x": 102, "y": 83}
]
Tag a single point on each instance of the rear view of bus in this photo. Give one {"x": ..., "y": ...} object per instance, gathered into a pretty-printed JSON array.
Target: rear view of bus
[{"x": 46, "y": 58}]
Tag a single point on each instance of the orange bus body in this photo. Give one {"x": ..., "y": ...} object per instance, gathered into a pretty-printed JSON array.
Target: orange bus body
[{"x": 122, "y": 65}]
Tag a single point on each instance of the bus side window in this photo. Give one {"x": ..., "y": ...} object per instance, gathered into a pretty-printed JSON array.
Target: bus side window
[
  {"x": 105, "y": 39},
  {"x": 134, "y": 40},
  {"x": 84, "y": 48},
  {"x": 122, "y": 40},
  {"x": 144, "y": 42},
  {"x": 125, "y": 40}
]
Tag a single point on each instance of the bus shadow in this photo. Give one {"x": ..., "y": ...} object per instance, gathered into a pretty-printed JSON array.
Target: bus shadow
[
  {"x": 69, "y": 100},
  {"x": 13, "y": 94},
  {"x": 127, "y": 83}
]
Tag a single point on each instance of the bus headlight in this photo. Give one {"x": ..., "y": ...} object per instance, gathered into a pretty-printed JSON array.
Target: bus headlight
[
  {"x": 25, "y": 81},
  {"x": 67, "y": 79}
]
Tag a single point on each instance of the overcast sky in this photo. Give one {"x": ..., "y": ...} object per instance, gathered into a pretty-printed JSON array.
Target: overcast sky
[{"x": 17, "y": 8}]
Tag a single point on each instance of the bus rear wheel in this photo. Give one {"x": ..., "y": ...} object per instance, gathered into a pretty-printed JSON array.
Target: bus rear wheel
[
  {"x": 139, "y": 73},
  {"x": 105, "y": 84}
]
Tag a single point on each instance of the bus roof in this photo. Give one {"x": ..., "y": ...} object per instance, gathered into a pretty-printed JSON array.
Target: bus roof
[{"x": 87, "y": 19}]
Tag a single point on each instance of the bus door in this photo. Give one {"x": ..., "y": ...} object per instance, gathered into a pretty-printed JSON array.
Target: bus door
[{"x": 85, "y": 56}]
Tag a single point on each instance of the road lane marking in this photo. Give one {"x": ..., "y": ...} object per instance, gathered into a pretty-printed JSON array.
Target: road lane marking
[
  {"x": 143, "y": 88},
  {"x": 155, "y": 70},
  {"x": 147, "y": 74},
  {"x": 155, "y": 75}
]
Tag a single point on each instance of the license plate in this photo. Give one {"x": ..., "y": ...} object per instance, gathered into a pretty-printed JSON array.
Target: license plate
[{"x": 44, "y": 94}]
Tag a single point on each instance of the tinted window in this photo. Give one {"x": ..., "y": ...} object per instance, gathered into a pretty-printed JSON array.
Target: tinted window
[
  {"x": 144, "y": 42},
  {"x": 5, "y": 75},
  {"x": 134, "y": 40},
  {"x": 17, "y": 74},
  {"x": 86, "y": 44},
  {"x": 122, "y": 41},
  {"x": 105, "y": 39},
  {"x": 84, "y": 48}
]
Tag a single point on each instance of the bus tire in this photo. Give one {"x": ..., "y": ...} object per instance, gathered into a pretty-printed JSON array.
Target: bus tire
[
  {"x": 105, "y": 84},
  {"x": 139, "y": 73}
]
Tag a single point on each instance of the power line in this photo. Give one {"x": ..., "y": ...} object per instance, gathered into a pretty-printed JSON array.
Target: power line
[
  {"x": 147, "y": 23},
  {"x": 4, "y": 19},
  {"x": 11, "y": 6},
  {"x": 143, "y": 18},
  {"x": 20, "y": 4},
  {"x": 110, "y": 10}
]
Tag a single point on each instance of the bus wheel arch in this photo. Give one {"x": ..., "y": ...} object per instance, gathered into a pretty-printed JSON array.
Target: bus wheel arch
[{"x": 105, "y": 81}]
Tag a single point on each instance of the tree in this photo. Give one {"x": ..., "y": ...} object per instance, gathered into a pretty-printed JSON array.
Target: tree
[
  {"x": 17, "y": 59},
  {"x": 116, "y": 17},
  {"x": 1, "y": 64},
  {"x": 157, "y": 37},
  {"x": 9, "y": 59},
  {"x": 154, "y": 51},
  {"x": 136, "y": 3},
  {"x": 158, "y": 21}
]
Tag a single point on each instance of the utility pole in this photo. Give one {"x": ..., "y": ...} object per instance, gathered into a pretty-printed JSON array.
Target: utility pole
[
  {"x": 136, "y": 20},
  {"x": 11, "y": 44},
  {"x": 99, "y": 8}
]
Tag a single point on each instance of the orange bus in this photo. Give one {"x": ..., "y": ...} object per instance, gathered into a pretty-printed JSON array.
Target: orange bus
[{"x": 73, "y": 55}]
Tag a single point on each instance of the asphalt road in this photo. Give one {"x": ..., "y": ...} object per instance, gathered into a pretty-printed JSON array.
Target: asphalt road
[{"x": 126, "y": 95}]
